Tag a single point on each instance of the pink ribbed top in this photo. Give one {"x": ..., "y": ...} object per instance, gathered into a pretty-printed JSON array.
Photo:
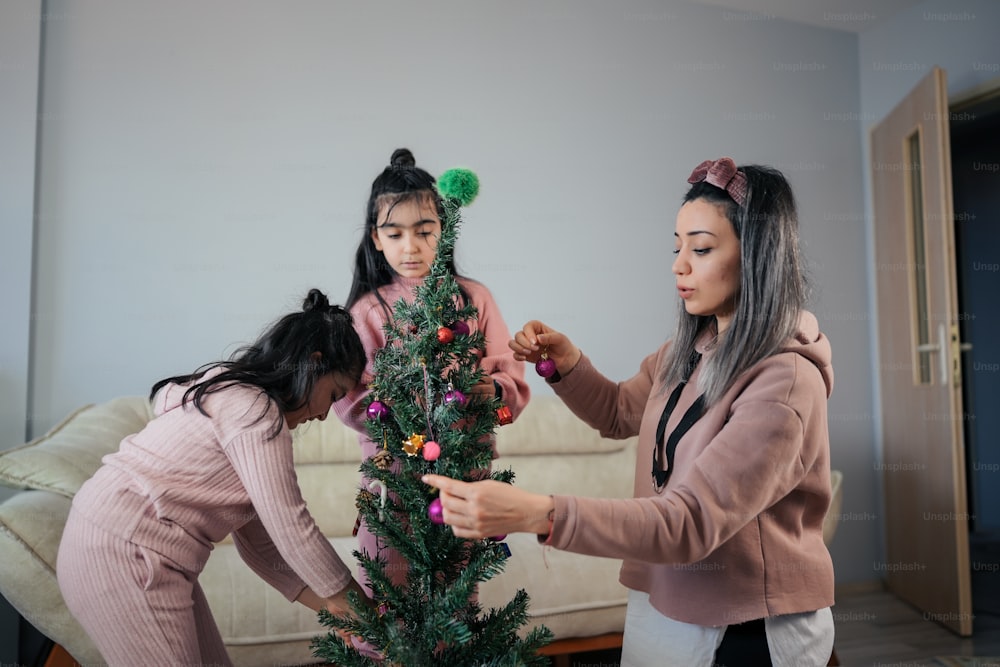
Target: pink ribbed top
[{"x": 187, "y": 481}]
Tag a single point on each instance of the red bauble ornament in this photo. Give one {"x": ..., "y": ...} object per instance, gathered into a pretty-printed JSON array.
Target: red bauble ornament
[
  {"x": 460, "y": 328},
  {"x": 431, "y": 451},
  {"x": 545, "y": 367},
  {"x": 445, "y": 335},
  {"x": 377, "y": 410},
  {"x": 436, "y": 512},
  {"x": 456, "y": 397}
]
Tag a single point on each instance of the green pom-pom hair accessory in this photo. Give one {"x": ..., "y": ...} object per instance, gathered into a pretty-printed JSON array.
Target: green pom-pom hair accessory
[{"x": 459, "y": 185}]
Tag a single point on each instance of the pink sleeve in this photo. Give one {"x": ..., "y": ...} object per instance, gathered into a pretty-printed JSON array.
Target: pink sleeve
[
  {"x": 498, "y": 362},
  {"x": 257, "y": 550},
  {"x": 368, "y": 322},
  {"x": 729, "y": 485},
  {"x": 613, "y": 408},
  {"x": 266, "y": 469}
]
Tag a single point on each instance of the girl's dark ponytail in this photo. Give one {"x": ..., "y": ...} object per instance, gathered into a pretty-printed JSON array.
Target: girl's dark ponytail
[
  {"x": 282, "y": 362},
  {"x": 314, "y": 301}
]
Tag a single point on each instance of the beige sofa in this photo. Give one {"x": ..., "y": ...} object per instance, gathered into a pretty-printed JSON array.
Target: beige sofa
[{"x": 548, "y": 449}]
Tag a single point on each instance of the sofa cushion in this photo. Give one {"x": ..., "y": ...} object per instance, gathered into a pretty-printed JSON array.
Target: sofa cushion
[
  {"x": 64, "y": 458},
  {"x": 547, "y": 426}
]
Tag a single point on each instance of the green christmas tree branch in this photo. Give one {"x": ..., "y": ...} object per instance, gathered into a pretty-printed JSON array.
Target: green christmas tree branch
[{"x": 423, "y": 386}]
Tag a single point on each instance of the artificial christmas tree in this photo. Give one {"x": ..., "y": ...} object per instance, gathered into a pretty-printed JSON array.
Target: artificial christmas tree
[{"x": 423, "y": 410}]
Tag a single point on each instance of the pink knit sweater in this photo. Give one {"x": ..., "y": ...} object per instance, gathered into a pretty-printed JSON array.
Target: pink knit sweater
[
  {"x": 187, "y": 481},
  {"x": 737, "y": 533},
  {"x": 498, "y": 362}
]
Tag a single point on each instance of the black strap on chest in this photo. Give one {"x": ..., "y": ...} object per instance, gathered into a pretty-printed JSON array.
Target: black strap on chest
[{"x": 661, "y": 473}]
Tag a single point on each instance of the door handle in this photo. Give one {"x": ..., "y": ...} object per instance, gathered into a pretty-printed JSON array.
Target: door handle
[
  {"x": 957, "y": 347},
  {"x": 939, "y": 347}
]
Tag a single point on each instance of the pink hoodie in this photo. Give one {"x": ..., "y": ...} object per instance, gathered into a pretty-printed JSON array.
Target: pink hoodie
[
  {"x": 736, "y": 534},
  {"x": 498, "y": 362}
]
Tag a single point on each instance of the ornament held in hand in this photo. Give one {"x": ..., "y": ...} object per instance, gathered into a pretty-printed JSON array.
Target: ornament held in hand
[{"x": 545, "y": 366}]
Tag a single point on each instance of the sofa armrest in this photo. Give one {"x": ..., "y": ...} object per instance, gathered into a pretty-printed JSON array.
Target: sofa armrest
[
  {"x": 31, "y": 525},
  {"x": 70, "y": 453}
]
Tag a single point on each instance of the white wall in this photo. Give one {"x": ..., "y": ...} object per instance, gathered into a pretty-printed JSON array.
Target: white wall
[
  {"x": 204, "y": 164},
  {"x": 960, "y": 37},
  {"x": 19, "y": 66}
]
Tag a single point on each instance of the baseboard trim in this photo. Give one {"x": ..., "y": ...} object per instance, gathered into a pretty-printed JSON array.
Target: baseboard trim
[{"x": 860, "y": 587}]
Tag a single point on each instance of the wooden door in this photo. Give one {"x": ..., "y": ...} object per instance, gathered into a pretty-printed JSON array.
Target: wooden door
[{"x": 923, "y": 460}]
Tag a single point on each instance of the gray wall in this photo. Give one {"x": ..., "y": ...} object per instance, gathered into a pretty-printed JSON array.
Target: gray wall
[
  {"x": 202, "y": 165},
  {"x": 19, "y": 70},
  {"x": 19, "y": 66},
  {"x": 960, "y": 37}
]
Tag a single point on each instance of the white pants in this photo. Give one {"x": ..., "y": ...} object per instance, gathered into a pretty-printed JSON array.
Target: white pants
[{"x": 653, "y": 640}]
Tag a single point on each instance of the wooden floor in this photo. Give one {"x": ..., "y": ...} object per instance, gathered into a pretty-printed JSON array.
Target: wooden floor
[{"x": 875, "y": 629}]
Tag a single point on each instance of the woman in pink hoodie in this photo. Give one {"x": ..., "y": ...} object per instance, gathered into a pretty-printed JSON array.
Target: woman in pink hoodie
[
  {"x": 722, "y": 545},
  {"x": 215, "y": 461}
]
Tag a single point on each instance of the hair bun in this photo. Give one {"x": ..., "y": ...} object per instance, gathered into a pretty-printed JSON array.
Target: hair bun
[
  {"x": 402, "y": 157},
  {"x": 315, "y": 300}
]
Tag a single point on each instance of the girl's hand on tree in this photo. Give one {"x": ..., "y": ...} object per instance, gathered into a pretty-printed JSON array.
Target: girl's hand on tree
[
  {"x": 537, "y": 338},
  {"x": 476, "y": 510},
  {"x": 338, "y": 603}
]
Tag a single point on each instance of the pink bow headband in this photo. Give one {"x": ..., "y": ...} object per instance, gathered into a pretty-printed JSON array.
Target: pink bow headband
[{"x": 723, "y": 174}]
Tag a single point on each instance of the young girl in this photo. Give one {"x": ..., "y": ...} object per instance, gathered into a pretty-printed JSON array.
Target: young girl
[
  {"x": 216, "y": 460},
  {"x": 723, "y": 544},
  {"x": 397, "y": 248}
]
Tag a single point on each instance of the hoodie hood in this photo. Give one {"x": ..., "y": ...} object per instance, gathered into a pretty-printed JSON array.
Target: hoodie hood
[{"x": 812, "y": 344}]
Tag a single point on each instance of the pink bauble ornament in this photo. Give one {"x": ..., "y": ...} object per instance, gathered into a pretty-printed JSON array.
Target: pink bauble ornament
[
  {"x": 431, "y": 451},
  {"x": 460, "y": 328},
  {"x": 455, "y": 396},
  {"x": 377, "y": 410},
  {"x": 545, "y": 367},
  {"x": 436, "y": 512}
]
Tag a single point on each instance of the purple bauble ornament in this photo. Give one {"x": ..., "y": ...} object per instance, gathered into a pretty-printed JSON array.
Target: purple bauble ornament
[
  {"x": 377, "y": 410},
  {"x": 456, "y": 397},
  {"x": 460, "y": 328},
  {"x": 436, "y": 512},
  {"x": 545, "y": 367},
  {"x": 499, "y": 538}
]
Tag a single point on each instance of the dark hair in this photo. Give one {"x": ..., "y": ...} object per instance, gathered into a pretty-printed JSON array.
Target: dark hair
[
  {"x": 772, "y": 289},
  {"x": 283, "y": 362},
  {"x": 401, "y": 181}
]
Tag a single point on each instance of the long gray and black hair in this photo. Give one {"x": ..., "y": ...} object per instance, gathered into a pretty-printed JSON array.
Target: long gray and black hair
[{"x": 772, "y": 290}]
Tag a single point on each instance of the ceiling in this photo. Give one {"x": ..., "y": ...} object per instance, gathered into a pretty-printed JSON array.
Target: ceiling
[{"x": 848, "y": 15}]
